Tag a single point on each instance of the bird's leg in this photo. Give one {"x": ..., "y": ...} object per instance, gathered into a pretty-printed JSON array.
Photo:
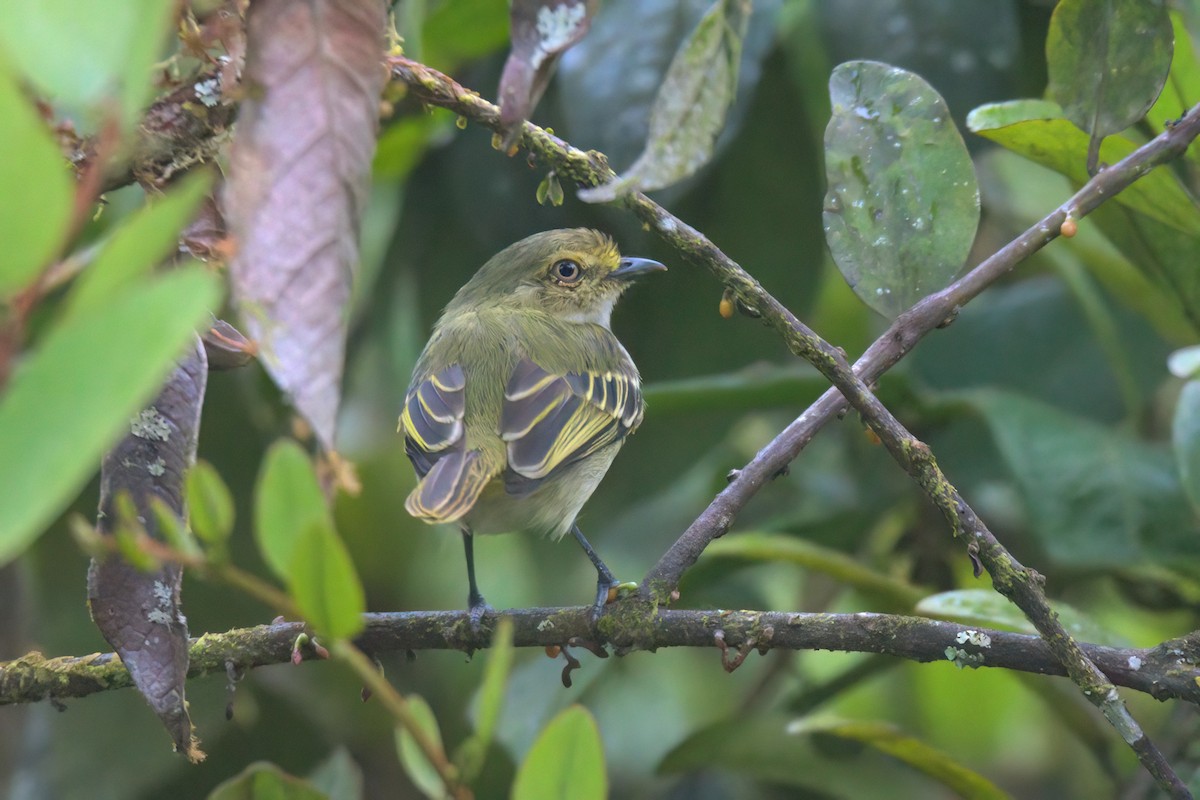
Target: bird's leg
[
  {"x": 476, "y": 605},
  {"x": 605, "y": 582}
]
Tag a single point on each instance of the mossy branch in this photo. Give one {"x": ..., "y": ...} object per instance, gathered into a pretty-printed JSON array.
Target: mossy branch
[{"x": 1169, "y": 671}]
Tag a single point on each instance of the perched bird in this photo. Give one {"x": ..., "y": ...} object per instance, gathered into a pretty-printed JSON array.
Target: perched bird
[{"x": 523, "y": 396}]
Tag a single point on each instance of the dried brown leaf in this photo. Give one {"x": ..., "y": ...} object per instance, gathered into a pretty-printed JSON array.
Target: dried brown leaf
[
  {"x": 542, "y": 30},
  {"x": 298, "y": 179},
  {"x": 138, "y": 612}
]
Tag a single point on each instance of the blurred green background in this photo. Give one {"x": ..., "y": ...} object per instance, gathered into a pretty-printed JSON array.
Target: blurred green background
[{"x": 718, "y": 390}]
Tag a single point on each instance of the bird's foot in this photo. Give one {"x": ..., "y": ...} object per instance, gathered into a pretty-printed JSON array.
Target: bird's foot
[
  {"x": 477, "y": 609},
  {"x": 609, "y": 590}
]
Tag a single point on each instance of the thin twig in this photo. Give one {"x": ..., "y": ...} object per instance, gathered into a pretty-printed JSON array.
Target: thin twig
[{"x": 398, "y": 707}]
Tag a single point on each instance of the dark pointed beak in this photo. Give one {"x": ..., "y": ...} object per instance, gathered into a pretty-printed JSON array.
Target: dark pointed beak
[{"x": 631, "y": 268}]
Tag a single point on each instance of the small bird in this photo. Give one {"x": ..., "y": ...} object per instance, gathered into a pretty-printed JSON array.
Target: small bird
[{"x": 523, "y": 395}]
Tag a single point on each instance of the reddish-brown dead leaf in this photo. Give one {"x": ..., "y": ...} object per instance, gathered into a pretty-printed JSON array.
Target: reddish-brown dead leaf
[{"x": 299, "y": 172}]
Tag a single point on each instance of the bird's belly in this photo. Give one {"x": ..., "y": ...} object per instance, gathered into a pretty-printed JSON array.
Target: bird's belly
[{"x": 550, "y": 510}]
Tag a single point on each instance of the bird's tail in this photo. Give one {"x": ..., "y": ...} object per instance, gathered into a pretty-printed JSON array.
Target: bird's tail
[{"x": 450, "y": 488}]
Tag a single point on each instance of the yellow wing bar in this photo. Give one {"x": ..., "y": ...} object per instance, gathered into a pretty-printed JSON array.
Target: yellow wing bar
[{"x": 550, "y": 421}]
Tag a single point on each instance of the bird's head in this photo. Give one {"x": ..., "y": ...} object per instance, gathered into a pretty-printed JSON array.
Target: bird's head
[{"x": 575, "y": 274}]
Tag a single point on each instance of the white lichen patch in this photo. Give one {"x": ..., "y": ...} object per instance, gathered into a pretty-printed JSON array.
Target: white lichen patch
[
  {"x": 157, "y": 467},
  {"x": 163, "y": 594},
  {"x": 150, "y": 425},
  {"x": 558, "y": 27},
  {"x": 545, "y": 625},
  {"x": 1135, "y": 663},
  {"x": 164, "y": 612},
  {"x": 977, "y": 638},
  {"x": 208, "y": 91},
  {"x": 160, "y": 617}
]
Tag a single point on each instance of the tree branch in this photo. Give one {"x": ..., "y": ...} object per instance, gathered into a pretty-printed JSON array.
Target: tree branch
[
  {"x": 1169, "y": 671},
  {"x": 1021, "y": 585}
]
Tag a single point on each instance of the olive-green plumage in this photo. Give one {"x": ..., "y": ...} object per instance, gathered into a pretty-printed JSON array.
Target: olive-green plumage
[{"x": 523, "y": 395}]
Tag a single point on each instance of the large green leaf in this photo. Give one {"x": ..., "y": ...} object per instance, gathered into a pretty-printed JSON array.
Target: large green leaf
[
  {"x": 1038, "y": 130},
  {"x": 1166, "y": 255},
  {"x": 73, "y": 395},
  {"x": 35, "y": 207},
  {"x": 288, "y": 500},
  {"x": 423, "y": 774},
  {"x": 142, "y": 242},
  {"x": 489, "y": 702},
  {"x": 1107, "y": 61},
  {"x": 264, "y": 781},
  {"x": 841, "y": 567},
  {"x": 209, "y": 504},
  {"x": 1095, "y": 496},
  {"x": 82, "y": 55},
  {"x": 566, "y": 762},
  {"x": 1183, "y": 82},
  {"x": 770, "y": 747},
  {"x": 339, "y": 776},
  {"x": 903, "y": 203},
  {"x": 1141, "y": 288},
  {"x": 986, "y": 607},
  {"x": 324, "y": 584},
  {"x": 460, "y": 31}
]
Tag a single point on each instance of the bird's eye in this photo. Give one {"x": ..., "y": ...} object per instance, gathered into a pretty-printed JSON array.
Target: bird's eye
[{"x": 565, "y": 271}]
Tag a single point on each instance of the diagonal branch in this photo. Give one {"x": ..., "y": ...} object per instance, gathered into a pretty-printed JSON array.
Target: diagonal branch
[
  {"x": 1021, "y": 585},
  {"x": 1168, "y": 671}
]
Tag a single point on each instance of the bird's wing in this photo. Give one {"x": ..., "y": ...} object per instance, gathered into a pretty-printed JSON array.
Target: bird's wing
[
  {"x": 550, "y": 421},
  {"x": 432, "y": 419},
  {"x": 451, "y": 476}
]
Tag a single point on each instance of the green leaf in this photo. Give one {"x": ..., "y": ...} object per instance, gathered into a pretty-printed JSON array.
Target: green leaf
[
  {"x": 264, "y": 781},
  {"x": 462, "y": 31},
  {"x": 902, "y": 204},
  {"x": 1107, "y": 61},
  {"x": 1140, "y": 287},
  {"x": 35, "y": 208},
  {"x": 172, "y": 530},
  {"x": 1096, "y": 497},
  {"x": 566, "y": 761},
  {"x": 1037, "y": 130},
  {"x": 1185, "y": 437},
  {"x": 1164, "y": 254},
  {"x": 210, "y": 505},
  {"x": 1183, "y": 82},
  {"x": 986, "y": 607},
  {"x": 82, "y": 65},
  {"x": 338, "y": 776},
  {"x": 760, "y": 385},
  {"x": 412, "y": 758},
  {"x": 139, "y": 244},
  {"x": 403, "y": 143},
  {"x": 774, "y": 748},
  {"x": 80, "y": 385},
  {"x": 288, "y": 500},
  {"x": 324, "y": 584},
  {"x": 690, "y": 108},
  {"x": 489, "y": 701},
  {"x": 912, "y": 751},
  {"x": 836, "y": 564}
]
